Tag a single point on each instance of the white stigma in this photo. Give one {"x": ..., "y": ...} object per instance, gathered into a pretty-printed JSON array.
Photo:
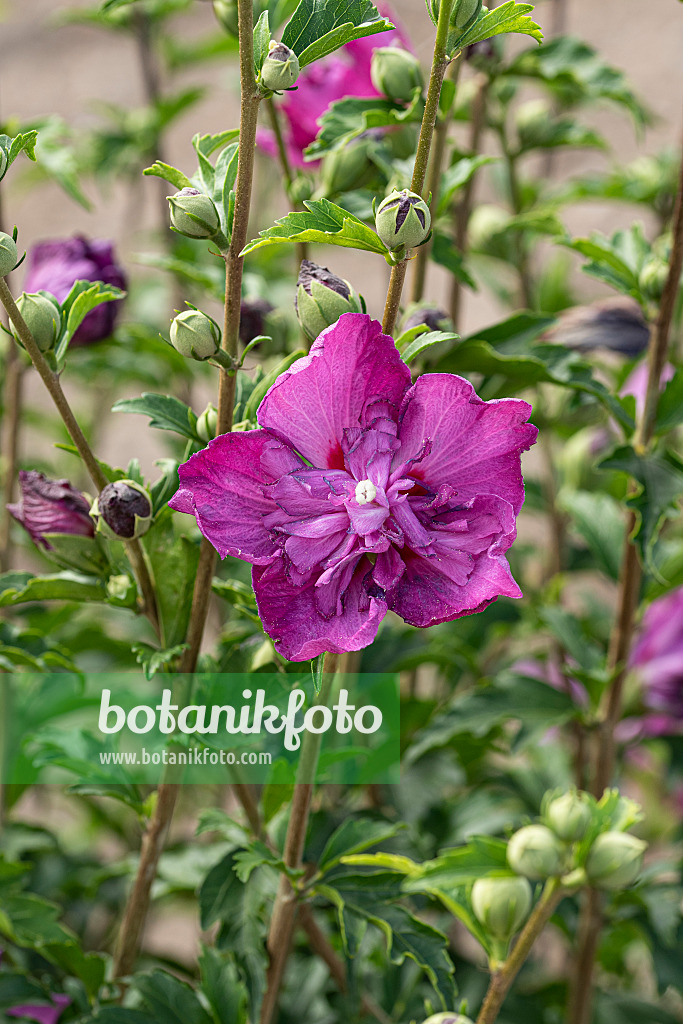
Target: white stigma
[{"x": 365, "y": 492}]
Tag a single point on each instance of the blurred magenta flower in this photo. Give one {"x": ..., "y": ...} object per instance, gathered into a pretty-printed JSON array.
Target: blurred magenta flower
[
  {"x": 344, "y": 73},
  {"x": 43, "y": 1014},
  {"x": 54, "y": 266},
  {"x": 636, "y": 383},
  {"x": 658, "y": 657},
  {"x": 362, "y": 494},
  {"x": 51, "y": 506}
]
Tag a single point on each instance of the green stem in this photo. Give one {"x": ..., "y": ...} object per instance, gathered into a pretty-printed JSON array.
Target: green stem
[
  {"x": 234, "y": 265},
  {"x": 52, "y": 383},
  {"x": 440, "y": 64},
  {"x": 284, "y": 911},
  {"x": 502, "y": 979},
  {"x": 590, "y": 923}
]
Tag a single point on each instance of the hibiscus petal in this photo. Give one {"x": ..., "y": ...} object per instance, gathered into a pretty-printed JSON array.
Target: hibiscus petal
[
  {"x": 473, "y": 445},
  {"x": 291, "y": 618},
  {"x": 223, "y": 486},
  {"x": 326, "y": 392}
]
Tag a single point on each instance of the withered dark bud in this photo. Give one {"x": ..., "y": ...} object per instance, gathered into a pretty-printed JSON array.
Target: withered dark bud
[{"x": 122, "y": 510}]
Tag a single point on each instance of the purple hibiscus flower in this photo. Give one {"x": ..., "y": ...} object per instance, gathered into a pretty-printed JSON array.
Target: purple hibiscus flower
[
  {"x": 54, "y": 267},
  {"x": 344, "y": 73},
  {"x": 51, "y": 506},
  {"x": 658, "y": 657},
  {"x": 43, "y": 1014},
  {"x": 362, "y": 494}
]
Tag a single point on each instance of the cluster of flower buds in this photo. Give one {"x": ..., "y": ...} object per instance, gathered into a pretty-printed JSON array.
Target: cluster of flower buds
[
  {"x": 122, "y": 510},
  {"x": 403, "y": 221},
  {"x": 396, "y": 73},
  {"x": 42, "y": 316},
  {"x": 280, "y": 68},
  {"x": 9, "y": 254},
  {"x": 194, "y": 214},
  {"x": 321, "y": 298}
]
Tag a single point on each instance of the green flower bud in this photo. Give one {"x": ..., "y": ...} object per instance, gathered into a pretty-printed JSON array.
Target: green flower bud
[
  {"x": 195, "y": 335},
  {"x": 615, "y": 860},
  {"x": 194, "y": 214},
  {"x": 347, "y": 168},
  {"x": 464, "y": 14},
  {"x": 396, "y": 73},
  {"x": 653, "y": 277},
  {"x": 536, "y": 852},
  {"x": 43, "y": 318},
  {"x": 207, "y": 423},
  {"x": 121, "y": 591},
  {"x": 403, "y": 219},
  {"x": 502, "y": 905},
  {"x": 450, "y": 1017},
  {"x": 533, "y": 121},
  {"x": 122, "y": 510},
  {"x": 570, "y": 816},
  {"x": 280, "y": 68},
  {"x": 8, "y": 252},
  {"x": 321, "y": 298},
  {"x": 226, "y": 13}
]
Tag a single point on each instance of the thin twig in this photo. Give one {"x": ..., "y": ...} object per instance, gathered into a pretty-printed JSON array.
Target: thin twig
[
  {"x": 284, "y": 911},
  {"x": 439, "y": 66}
]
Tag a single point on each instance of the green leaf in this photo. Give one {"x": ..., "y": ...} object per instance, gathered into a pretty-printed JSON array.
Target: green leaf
[
  {"x": 154, "y": 660},
  {"x": 670, "y": 406},
  {"x": 165, "y": 413},
  {"x": 22, "y": 143},
  {"x": 347, "y": 118},
  {"x": 482, "y": 856},
  {"x": 170, "y": 1000},
  {"x": 425, "y": 341},
  {"x": 322, "y": 222},
  {"x": 58, "y": 158},
  {"x": 173, "y": 561},
  {"x": 617, "y": 260},
  {"x": 509, "y": 17},
  {"x": 318, "y": 27},
  {"x": 262, "y": 36},
  {"x": 259, "y": 392},
  {"x": 446, "y": 254},
  {"x": 222, "y": 987},
  {"x": 83, "y": 297},
  {"x": 171, "y": 174},
  {"x": 353, "y": 836},
  {"x": 18, "y": 588},
  {"x": 600, "y": 521},
  {"x": 457, "y": 175},
  {"x": 660, "y": 476}
]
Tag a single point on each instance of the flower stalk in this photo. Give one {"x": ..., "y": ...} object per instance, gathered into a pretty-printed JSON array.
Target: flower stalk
[
  {"x": 440, "y": 62},
  {"x": 54, "y": 387},
  {"x": 284, "y": 912},
  {"x": 590, "y": 924}
]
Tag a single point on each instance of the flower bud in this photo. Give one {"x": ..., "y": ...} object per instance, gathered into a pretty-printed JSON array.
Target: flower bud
[
  {"x": 8, "y": 252},
  {"x": 450, "y": 1017},
  {"x": 43, "y": 318},
  {"x": 207, "y": 423},
  {"x": 194, "y": 214},
  {"x": 347, "y": 168},
  {"x": 569, "y": 816},
  {"x": 226, "y": 13},
  {"x": 464, "y": 14},
  {"x": 195, "y": 335},
  {"x": 536, "y": 852},
  {"x": 502, "y": 905},
  {"x": 50, "y": 508},
  {"x": 615, "y": 860},
  {"x": 403, "y": 219},
  {"x": 429, "y": 316},
  {"x": 653, "y": 277},
  {"x": 253, "y": 314},
  {"x": 122, "y": 510},
  {"x": 321, "y": 298},
  {"x": 280, "y": 68},
  {"x": 396, "y": 73}
]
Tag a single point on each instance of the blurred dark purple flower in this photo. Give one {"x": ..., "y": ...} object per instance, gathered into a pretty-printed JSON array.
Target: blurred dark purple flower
[
  {"x": 54, "y": 266},
  {"x": 44, "y": 1014},
  {"x": 344, "y": 73},
  {"x": 51, "y": 506},
  {"x": 616, "y": 324},
  {"x": 253, "y": 313}
]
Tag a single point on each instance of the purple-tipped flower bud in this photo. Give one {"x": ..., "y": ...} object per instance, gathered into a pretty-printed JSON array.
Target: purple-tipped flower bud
[
  {"x": 502, "y": 905},
  {"x": 8, "y": 253},
  {"x": 403, "y": 219},
  {"x": 428, "y": 316},
  {"x": 122, "y": 510},
  {"x": 449, "y": 1017},
  {"x": 207, "y": 423},
  {"x": 195, "y": 335},
  {"x": 536, "y": 852},
  {"x": 194, "y": 214},
  {"x": 396, "y": 73},
  {"x": 280, "y": 68},
  {"x": 615, "y": 860},
  {"x": 570, "y": 816},
  {"x": 51, "y": 507},
  {"x": 321, "y": 298},
  {"x": 43, "y": 318}
]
